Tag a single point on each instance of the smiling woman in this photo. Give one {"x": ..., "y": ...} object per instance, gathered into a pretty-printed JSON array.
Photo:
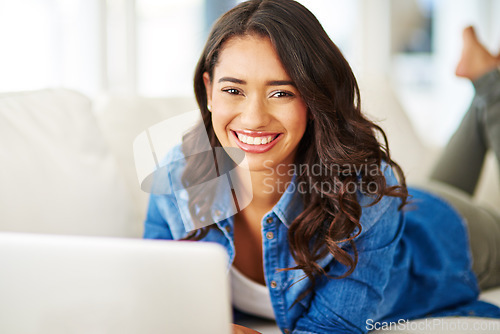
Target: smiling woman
[{"x": 333, "y": 248}]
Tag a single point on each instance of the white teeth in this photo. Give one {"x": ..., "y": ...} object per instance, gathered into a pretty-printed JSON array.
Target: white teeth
[{"x": 254, "y": 140}]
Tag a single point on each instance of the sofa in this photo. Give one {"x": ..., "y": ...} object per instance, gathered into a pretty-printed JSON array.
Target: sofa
[{"x": 67, "y": 163}]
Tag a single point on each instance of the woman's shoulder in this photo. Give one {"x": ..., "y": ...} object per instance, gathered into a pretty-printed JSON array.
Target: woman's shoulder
[
  {"x": 173, "y": 154},
  {"x": 167, "y": 201},
  {"x": 165, "y": 178},
  {"x": 174, "y": 161},
  {"x": 387, "y": 207}
]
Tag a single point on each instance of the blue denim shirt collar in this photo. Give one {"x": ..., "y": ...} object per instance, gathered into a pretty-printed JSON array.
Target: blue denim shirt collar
[{"x": 289, "y": 205}]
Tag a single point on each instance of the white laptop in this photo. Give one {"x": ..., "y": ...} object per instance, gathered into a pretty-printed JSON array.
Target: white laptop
[{"x": 94, "y": 285}]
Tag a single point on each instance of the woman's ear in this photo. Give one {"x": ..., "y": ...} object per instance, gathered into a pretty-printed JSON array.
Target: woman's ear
[{"x": 208, "y": 89}]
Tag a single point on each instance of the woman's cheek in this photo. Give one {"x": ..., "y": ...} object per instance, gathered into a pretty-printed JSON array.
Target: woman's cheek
[
  {"x": 224, "y": 113},
  {"x": 220, "y": 122}
]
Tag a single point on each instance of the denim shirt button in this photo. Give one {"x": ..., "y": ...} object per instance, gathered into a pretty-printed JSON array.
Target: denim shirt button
[
  {"x": 274, "y": 284},
  {"x": 269, "y": 235},
  {"x": 269, "y": 220},
  {"x": 228, "y": 229},
  {"x": 286, "y": 331}
]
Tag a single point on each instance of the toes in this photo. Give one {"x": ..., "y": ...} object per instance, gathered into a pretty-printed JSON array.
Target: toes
[{"x": 469, "y": 35}]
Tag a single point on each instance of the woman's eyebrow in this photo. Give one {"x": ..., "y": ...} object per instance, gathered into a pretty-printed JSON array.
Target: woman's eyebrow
[
  {"x": 233, "y": 80},
  {"x": 268, "y": 83},
  {"x": 280, "y": 83}
]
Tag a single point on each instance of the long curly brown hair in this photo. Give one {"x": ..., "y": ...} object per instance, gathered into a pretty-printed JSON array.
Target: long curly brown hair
[{"x": 338, "y": 137}]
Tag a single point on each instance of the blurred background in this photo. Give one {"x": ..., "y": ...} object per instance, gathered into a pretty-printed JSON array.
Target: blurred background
[{"x": 150, "y": 47}]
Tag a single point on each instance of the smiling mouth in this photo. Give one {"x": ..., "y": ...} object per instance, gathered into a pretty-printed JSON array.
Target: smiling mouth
[{"x": 256, "y": 140}]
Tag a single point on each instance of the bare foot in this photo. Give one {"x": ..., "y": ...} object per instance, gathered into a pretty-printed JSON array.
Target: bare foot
[{"x": 476, "y": 60}]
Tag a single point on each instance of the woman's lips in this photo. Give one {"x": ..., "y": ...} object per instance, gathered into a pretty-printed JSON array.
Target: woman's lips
[{"x": 256, "y": 142}]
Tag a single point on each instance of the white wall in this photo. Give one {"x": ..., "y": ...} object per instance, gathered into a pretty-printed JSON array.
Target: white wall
[
  {"x": 150, "y": 47},
  {"x": 437, "y": 105},
  {"x": 50, "y": 43}
]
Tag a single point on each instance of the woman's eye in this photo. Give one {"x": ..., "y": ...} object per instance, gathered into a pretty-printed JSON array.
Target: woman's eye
[
  {"x": 232, "y": 91},
  {"x": 282, "y": 94}
]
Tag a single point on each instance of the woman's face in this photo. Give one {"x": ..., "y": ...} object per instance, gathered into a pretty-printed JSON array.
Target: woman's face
[{"x": 255, "y": 105}]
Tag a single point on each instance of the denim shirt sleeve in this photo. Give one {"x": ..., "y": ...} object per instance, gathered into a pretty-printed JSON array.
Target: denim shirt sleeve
[
  {"x": 155, "y": 225},
  {"x": 164, "y": 206},
  {"x": 345, "y": 305}
]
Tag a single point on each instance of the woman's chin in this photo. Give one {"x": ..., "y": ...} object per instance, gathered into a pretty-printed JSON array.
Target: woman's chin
[{"x": 258, "y": 164}]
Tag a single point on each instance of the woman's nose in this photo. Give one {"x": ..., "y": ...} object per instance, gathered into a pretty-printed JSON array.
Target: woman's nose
[{"x": 255, "y": 114}]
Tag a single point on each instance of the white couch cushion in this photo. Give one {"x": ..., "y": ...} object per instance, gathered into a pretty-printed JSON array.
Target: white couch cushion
[
  {"x": 123, "y": 118},
  {"x": 57, "y": 175}
]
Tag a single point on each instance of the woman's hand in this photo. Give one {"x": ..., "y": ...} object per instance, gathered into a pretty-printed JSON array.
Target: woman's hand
[{"x": 237, "y": 329}]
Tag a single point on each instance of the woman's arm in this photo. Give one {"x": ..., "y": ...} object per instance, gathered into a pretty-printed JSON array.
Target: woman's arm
[
  {"x": 155, "y": 225},
  {"x": 237, "y": 329},
  {"x": 163, "y": 218}
]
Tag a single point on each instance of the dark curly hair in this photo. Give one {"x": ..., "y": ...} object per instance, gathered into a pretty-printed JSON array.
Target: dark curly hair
[{"x": 339, "y": 138}]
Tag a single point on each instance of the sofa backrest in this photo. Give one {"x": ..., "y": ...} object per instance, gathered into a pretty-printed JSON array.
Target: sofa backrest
[
  {"x": 57, "y": 175},
  {"x": 123, "y": 118}
]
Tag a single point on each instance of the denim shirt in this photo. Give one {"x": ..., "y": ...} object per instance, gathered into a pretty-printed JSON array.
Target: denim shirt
[{"x": 413, "y": 263}]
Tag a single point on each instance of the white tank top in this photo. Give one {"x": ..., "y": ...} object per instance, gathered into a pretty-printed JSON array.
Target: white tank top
[{"x": 249, "y": 296}]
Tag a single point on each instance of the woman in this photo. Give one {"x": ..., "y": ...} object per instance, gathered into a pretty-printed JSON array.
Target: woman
[{"x": 309, "y": 205}]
